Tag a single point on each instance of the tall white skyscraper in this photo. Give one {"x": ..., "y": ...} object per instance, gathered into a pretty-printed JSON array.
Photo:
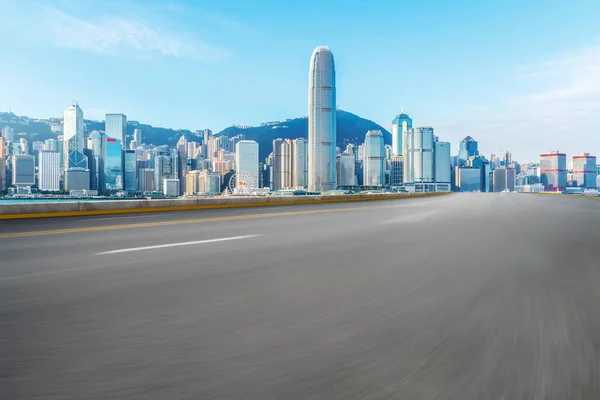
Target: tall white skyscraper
[
  {"x": 321, "y": 121},
  {"x": 374, "y": 159},
  {"x": 246, "y": 158},
  {"x": 49, "y": 170},
  {"x": 400, "y": 125},
  {"x": 116, "y": 127},
  {"x": 73, "y": 137}
]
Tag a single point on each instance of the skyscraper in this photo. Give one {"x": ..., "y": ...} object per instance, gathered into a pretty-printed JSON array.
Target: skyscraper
[
  {"x": 49, "y": 171},
  {"x": 504, "y": 179},
  {"x": 73, "y": 138},
  {"x": 441, "y": 153},
  {"x": 584, "y": 171},
  {"x": 467, "y": 148},
  {"x": 299, "y": 163},
  {"x": 553, "y": 171},
  {"x": 113, "y": 164},
  {"x": 397, "y": 171},
  {"x": 346, "y": 170},
  {"x": 130, "y": 171},
  {"x": 281, "y": 164},
  {"x": 137, "y": 136},
  {"x": 374, "y": 159},
  {"x": 246, "y": 159},
  {"x": 8, "y": 133},
  {"x": 321, "y": 121},
  {"x": 400, "y": 125},
  {"x": 116, "y": 127},
  {"x": 418, "y": 160}
]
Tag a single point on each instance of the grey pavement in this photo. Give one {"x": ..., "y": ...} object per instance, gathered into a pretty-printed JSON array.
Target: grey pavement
[{"x": 467, "y": 296}]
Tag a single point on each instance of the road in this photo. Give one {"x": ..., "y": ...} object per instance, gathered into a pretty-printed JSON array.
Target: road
[{"x": 467, "y": 296}]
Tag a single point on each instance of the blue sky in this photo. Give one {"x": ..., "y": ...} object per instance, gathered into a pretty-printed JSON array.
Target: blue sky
[{"x": 522, "y": 76}]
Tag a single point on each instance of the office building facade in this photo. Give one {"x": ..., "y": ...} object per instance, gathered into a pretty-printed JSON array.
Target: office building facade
[
  {"x": 504, "y": 179},
  {"x": 400, "y": 125},
  {"x": 374, "y": 159},
  {"x": 584, "y": 171},
  {"x": 468, "y": 179},
  {"x": 73, "y": 138},
  {"x": 346, "y": 170},
  {"x": 23, "y": 170},
  {"x": 246, "y": 159},
  {"x": 113, "y": 165},
  {"x": 299, "y": 163},
  {"x": 116, "y": 127},
  {"x": 553, "y": 171},
  {"x": 442, "y": 171},
  {"x": 77, "y": 179},
  {"x": 49, "y": 171}
]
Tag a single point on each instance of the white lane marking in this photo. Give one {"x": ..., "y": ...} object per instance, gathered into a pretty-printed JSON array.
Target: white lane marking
[
  {"x": 416, "y": 217},
  {"x": 162, "y": 246}
]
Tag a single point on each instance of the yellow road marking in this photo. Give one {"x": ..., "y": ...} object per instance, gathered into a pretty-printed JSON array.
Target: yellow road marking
[
  {"x": 181, "y": 222},
  {"x": 205, "y": 207}
]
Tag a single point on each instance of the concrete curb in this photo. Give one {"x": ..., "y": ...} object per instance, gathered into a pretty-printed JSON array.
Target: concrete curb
[{"x": 49, "y": 210}]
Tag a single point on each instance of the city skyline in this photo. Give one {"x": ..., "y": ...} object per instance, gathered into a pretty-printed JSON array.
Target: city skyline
[{"x": 543, "y": 86}]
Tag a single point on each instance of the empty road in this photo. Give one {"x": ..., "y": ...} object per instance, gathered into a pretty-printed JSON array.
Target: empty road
[{"x": 467, "y": 296}]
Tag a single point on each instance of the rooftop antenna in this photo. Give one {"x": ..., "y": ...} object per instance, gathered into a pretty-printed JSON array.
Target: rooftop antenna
[{"x": 401, "y": 108}]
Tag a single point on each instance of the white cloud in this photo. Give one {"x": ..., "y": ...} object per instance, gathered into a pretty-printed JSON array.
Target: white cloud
[
  {"x": 120, "y": 36},
  {"x": 562, "y": 112}
]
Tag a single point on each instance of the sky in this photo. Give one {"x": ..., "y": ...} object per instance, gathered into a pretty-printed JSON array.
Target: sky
[{"x": 518, "y": 76}]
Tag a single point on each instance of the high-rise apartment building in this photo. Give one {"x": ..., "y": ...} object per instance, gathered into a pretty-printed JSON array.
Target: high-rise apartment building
[
  {"x": 400, "y": 125},
  {"x": 49, "y": 171},
  {"x": 116, "y": 127},
  {"x": 374, "y": 159},
  {"x": 321, "y": 121},
  {"x": 584, "y": 171},
  {"x": 73, "y": 138},
  {"x": 246, "y": 160},
  {"x": 553, "y": 171},
  {"x": 203, "y": 182}
]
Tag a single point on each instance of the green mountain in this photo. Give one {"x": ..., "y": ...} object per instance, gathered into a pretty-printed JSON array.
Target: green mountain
[{"x": 350, "y": 129}]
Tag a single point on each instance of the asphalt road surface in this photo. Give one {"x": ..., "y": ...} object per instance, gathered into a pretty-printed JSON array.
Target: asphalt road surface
[{"x": 467, "y": 296}]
